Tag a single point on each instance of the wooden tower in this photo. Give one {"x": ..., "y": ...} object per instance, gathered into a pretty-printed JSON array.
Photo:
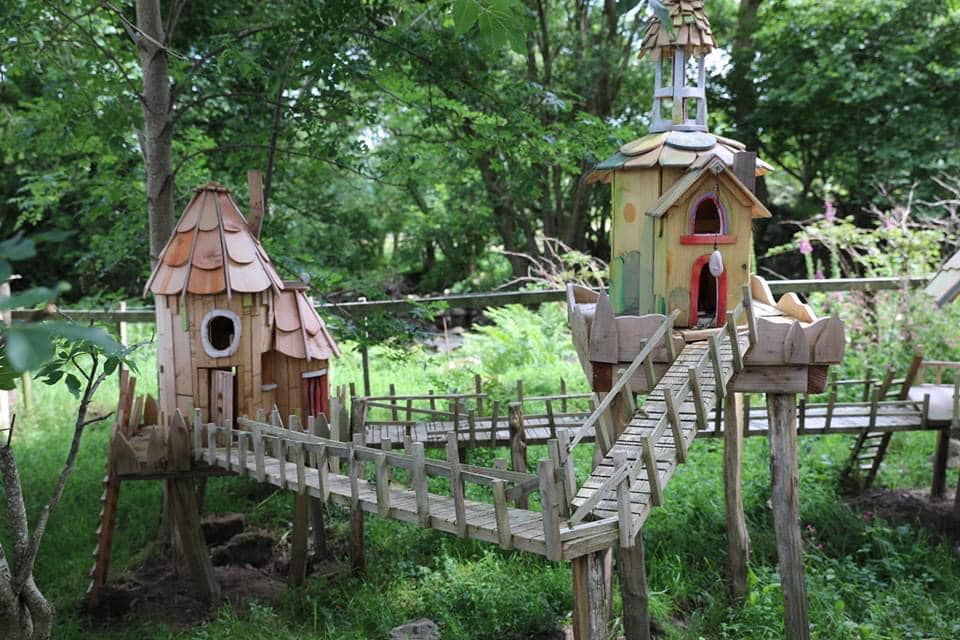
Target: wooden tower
[
  {"x": 233, "y": 337},
  {"x": 680, "y": 193}
]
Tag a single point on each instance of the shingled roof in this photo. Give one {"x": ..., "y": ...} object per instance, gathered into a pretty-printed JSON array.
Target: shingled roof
[
  {"x": 671, "y": 149},
  {"x": 945, "y": 286},
  {"x": 298, "y": 331},
  {"x": 691, "y": 30},
  {"x": 212, "y": 251}
]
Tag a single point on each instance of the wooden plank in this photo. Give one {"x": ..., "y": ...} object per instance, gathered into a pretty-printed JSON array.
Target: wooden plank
[
  {"x": 604, "y": 346},
  {"x": 420, "y": 484},
  {"x": 676, "y": 426},
  {"x": 383, "y": 485},
  {"x": 653, "y": 477},
  {"x": 623, "y": 502},
  {"x": 504, "y": 535},
  {"x": 696, "y": 390},
  {"x": 549, "y": 509}
]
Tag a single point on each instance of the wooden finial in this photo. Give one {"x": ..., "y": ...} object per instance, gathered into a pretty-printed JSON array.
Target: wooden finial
[{"x": 255, "y": 217}]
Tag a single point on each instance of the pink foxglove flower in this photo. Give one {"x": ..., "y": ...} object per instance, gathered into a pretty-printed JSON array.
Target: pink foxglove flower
[
  {"x": 830, "y": 212},
  {"x": 818, "y": 275},
  {"x": 805, "y": 247}
]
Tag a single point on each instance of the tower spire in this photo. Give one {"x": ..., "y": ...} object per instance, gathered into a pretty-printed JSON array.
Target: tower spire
[{"x": 678, "y": 37}]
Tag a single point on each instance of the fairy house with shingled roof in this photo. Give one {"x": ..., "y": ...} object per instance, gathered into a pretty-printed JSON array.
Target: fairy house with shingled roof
[
  {"x": 232, "y": 336},
  {"x": 680, "y": 194}
]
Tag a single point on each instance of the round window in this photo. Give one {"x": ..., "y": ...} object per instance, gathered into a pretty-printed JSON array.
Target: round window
[{"x": 220, "y": 333}]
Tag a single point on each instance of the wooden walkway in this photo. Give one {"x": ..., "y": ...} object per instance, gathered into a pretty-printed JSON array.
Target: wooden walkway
[
  {"x": 631, "y": 478},
  {"x": 367, "y": 479}
]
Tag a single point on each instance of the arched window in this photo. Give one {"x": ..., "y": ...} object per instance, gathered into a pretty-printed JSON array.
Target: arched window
[
  {"x": 708, "y": 216},
  {"x": 220, "y": 333}
]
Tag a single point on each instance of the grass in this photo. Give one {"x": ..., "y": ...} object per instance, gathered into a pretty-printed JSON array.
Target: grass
[{"x": 866, "y": 578}]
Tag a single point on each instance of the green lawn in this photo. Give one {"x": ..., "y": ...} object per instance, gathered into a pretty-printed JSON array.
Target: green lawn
[{"x": 866, "y": 578}]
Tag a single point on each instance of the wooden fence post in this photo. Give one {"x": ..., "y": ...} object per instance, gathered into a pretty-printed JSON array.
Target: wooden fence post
[
  {"x": 518, "y": 446},
  {"x": 782, "y": 416}
]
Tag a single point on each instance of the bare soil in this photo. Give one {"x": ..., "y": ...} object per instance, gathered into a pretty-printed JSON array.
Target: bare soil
[{"x": 911, "y": 507}]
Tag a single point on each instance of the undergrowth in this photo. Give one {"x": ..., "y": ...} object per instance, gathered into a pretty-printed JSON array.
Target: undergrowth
[{"x": 866, "y": 577}]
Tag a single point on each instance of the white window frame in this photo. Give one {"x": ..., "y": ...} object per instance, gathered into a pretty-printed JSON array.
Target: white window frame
[{"x": 205, "y": 338}]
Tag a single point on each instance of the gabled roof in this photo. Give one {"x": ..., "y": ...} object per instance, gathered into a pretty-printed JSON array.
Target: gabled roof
[
  {"x": 671, "y": 149},
  {"x": 691, "y": 30},
  {"x": 705, "y": 166},
  {"x": 212, "y": 251},
  {"x": 945, "y": 286},
  {"x": 298, "y": 330}
]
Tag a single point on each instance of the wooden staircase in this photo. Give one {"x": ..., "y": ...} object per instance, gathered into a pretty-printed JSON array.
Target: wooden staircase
[
  {"x": 109, "y": 499},
  {"x": 870, "y": 447},
  {"x": 630, "y": 479}
]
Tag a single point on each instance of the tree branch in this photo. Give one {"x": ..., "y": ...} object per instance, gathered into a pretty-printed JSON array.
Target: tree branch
[{"x": 25, "y": 564}]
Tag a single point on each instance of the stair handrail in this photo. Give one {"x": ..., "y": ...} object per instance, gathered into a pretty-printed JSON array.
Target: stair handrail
[{"x": 645, "y": 352}]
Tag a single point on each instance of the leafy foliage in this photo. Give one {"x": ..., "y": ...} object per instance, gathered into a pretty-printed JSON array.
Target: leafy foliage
[{"x": 28, "y": 345}]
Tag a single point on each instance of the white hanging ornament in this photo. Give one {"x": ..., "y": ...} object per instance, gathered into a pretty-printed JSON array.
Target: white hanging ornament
[{"x": 716, "y": 263}]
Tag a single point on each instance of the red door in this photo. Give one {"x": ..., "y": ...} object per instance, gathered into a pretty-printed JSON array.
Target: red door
[{"x": 317, "y": 399}]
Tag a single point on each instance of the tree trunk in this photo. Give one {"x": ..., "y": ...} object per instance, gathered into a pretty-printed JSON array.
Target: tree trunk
[{"x": 158, "y": 128}]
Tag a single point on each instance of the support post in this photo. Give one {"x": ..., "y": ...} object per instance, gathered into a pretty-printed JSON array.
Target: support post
[
  {"x": 782, "y": 413},
  {"x": 738, "y": 539},
  {"x": 518, "y": 446},
  {"x": 938, "y": 487},
  {"x": 633, "y": 591},
  {"x": 186, "y": 516},
  {"x": 592, "y": 595}
]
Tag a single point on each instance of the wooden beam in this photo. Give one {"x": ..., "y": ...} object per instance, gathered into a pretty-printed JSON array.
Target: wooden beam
[
  {"x": 738, "y": 538},
  {"x": 782, "y": 412},
  {"x": 633, "y": 590},
  {"x": 186, "y": 515},
  {"x": 592, "y": 597}
]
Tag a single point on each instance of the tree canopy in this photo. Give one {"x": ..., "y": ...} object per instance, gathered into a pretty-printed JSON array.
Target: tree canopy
[{"x": 403, "y": 141}]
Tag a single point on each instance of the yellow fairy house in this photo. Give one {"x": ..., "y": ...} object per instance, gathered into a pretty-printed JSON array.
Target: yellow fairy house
[
  {"x": 232, "y": 336},
  {"x": 683, "y": 202}
]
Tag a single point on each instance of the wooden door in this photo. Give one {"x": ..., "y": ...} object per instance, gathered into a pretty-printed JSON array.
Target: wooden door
[
  {"x": 222, "y": 396},
  {"x": 317, "y": 395}
]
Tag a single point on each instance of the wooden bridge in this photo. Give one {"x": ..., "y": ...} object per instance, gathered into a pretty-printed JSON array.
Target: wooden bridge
[{"x": 407, "y": 485}]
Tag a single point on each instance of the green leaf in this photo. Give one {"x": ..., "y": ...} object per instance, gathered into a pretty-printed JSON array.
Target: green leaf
[
  {"x": 8, "y": 375},
  {"x": 96, "y": 336},
  {"x": 110, "y": 365},
  {"x": 73, "y": 385},
  {"x": 465, "y": 14},
  {"x": 28, "y": 346},
  {"x": 52, "y": 236},
  {"x": 28, "y": 299},
  {"x": 17, "y": 248}
]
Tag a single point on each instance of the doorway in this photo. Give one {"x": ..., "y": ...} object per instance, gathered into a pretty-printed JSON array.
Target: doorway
[{"x": 708, "y": 296}]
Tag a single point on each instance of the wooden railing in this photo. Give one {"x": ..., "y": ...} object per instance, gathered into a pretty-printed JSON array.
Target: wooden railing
[
  {"x": 617, "y": 486},
  {"x": 245, "y": 450},
  {"x": 494, "y": 299}
]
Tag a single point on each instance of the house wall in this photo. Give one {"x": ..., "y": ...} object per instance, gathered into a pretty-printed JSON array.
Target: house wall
[
  {"x": 632, "y": 241},
  {"x": 290, "y": 395},
  {"x": 183, "y": 364},
  {"x": 677, "y": 267}
]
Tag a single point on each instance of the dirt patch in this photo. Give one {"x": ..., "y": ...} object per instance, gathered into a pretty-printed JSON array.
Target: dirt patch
[
  {"x": 248, "y": 565},
  {"x": 914, "y": 507},
  {"x": 156, "y": 593}
]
